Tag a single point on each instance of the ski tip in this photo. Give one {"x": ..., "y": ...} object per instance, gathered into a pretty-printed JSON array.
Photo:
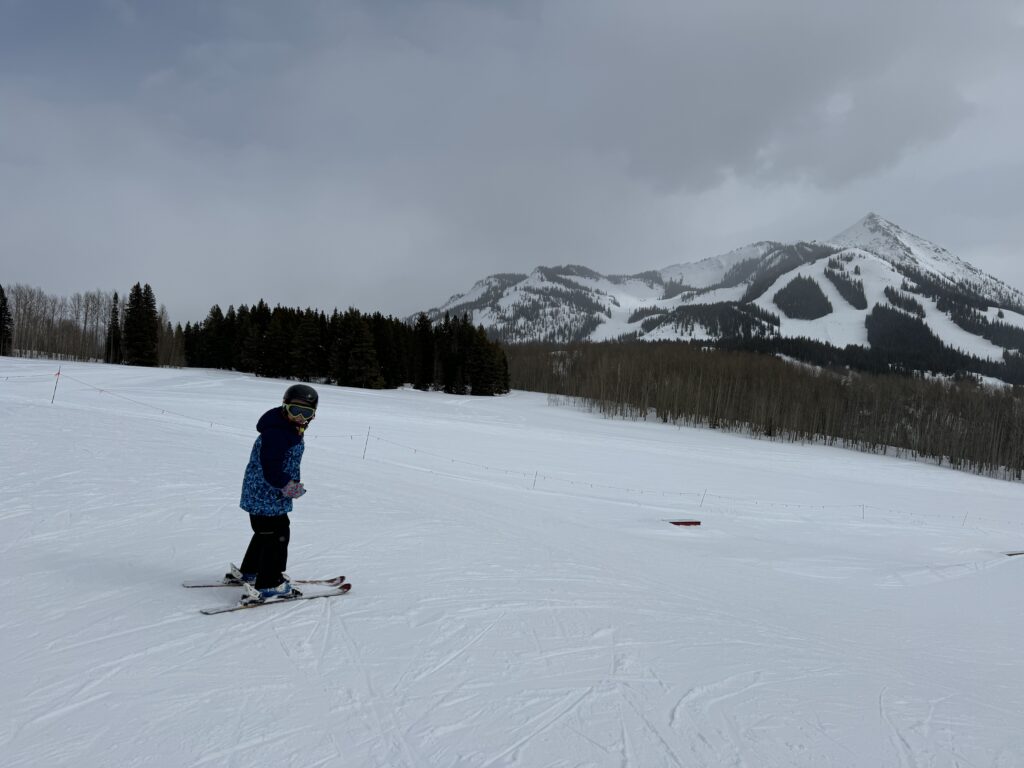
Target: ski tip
[{"x": 341, "y": 590}]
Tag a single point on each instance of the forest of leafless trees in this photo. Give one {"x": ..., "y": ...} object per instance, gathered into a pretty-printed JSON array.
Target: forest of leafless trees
[
  {"x": 959, "y": 423},
  {"x": 43, "y": 325},
  {"x": 72, "y": 328}
]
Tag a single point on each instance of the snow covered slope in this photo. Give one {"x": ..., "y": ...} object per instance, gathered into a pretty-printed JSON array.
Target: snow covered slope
[
  {"x": 712, "y": 298},
  {"x": 901, "y": 248},
  {"x": 519, "y": 600},
  {"x": 711, "y": 272}
]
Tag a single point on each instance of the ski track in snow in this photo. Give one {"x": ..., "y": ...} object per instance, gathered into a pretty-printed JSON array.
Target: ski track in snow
[{"x": 517, "y": 600}]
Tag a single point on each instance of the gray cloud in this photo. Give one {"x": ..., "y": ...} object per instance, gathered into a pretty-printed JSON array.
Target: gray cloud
[{"x": 395, "y": 152}]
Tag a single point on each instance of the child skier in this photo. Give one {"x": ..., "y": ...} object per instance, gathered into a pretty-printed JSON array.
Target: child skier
[{"x": 271, "y": 482}]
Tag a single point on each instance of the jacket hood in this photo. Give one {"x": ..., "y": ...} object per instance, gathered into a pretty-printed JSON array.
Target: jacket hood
[{"x": 274, "y": 419}]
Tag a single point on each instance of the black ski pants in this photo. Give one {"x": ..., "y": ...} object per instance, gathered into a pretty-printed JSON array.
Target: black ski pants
[{"x": 267, "y": 555}]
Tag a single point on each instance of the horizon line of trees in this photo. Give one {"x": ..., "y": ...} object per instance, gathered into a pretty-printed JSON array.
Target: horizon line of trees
[
  {"x": 954, "y": 422},
  {"x": 350, "y": 348}
]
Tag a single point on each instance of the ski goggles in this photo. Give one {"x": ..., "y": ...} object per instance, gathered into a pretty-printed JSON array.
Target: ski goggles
[{"x": 300, "y": 411}]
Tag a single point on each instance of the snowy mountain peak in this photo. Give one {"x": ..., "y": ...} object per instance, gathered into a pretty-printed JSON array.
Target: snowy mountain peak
[
  {"x": 743, "y": 294},
  {"x": 899, "y": 247},
  {"x": 905, "y": 250}
]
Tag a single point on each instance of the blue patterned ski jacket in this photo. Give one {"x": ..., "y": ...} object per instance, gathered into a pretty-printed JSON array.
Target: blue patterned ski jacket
[{"x": 275, "y": 459}]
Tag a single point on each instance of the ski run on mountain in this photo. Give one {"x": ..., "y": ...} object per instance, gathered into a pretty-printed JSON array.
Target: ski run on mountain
[{"x": 523, "y": 597}]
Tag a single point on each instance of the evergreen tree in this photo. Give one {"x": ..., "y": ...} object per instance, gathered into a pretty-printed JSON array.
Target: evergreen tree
[
  {"x": 363, "y": 367},
  {"x": 423, "y": 353},
  {"x": 6, "y": 324},
  {"x": 388, "y": 349},
  {"x": 141, "y": 327},
  {"x": 243, "y": 326},
  {"x": 252, "y": 355},
  {"x": 276, "y": 361},
  {"x": 343, "y": 333},
  {"x": 229, "y": 341},
  {"x": 210, "y": 344},
  {"x": 134, "y": 327},
  {"x": 190, "y": 339},
  {"x": 483, "y": 371},
  {"x": 447, "y": 340},
  {"x": 305, "y": 347},
  {"x": 321, "y": 358},
  {"x": 150, "y": 326},
  {"x": 178, "y": 356}
]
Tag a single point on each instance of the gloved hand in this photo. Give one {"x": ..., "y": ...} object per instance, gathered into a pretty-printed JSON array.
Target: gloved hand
[{"x": 293, "y": 490}]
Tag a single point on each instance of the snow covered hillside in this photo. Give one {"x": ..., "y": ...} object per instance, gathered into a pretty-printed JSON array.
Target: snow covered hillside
[
  {"x": 712, "y": 298},
  {"x": 520, "y": 598}
]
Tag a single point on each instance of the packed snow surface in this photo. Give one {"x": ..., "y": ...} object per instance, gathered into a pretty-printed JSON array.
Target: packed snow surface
[{"x": 520, "y": 598}]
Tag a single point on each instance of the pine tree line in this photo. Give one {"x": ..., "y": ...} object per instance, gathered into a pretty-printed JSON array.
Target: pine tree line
[
  {"x": 720, "y": 319},
  {"x": 900, "y": 343},
  {"x": 971, "y": 320},
  {"x": 904, "y": 301},
  {"x": 956, "y": 422},
  {"x": 642, "y": 313},
  {"x": 849, "y": 288},
  {"x": 349, "y": 349},
  {"x": 963, "y": 292}
]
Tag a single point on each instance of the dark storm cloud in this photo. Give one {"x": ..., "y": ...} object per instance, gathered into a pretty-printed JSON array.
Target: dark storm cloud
[{"x": 401, "y": 150}]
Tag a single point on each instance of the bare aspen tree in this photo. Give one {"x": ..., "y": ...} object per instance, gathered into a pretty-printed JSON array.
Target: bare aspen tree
[{"x": 967, "y": 426}]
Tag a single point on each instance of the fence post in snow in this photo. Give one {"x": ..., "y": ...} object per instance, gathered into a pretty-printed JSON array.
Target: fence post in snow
[{"x": 367, "y": 443}]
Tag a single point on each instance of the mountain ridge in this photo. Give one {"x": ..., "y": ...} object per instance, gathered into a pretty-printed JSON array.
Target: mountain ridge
[{"x": 872, "y": 264}]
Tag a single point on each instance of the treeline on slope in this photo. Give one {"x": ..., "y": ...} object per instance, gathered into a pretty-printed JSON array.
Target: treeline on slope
[
  {"x": 91, "y": 326},
  {"x": 781, "y": 260},
  {"x": 728, "y": 318},
  {"x": 850, "y": 288},
  {"x": 904, "y": 301},
  {"x": 971, "y": 320},
  {"x": 962, "y": 292},
  {"x": 900, "y": 343},
  {"x": 802, "y": 299},
  {"x": 558, "y": 313},
  {"x": 349, "y": 349},
  {"x": 955, "y": 422},
  {"x": 964, "y": 303}
]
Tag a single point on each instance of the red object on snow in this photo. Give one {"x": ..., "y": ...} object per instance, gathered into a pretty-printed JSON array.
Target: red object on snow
[{"x": 685, "y": 522}]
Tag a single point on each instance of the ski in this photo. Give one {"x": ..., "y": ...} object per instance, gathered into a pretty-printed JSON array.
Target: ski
[
  {"x": 341, "y": 590},
  {"x": 334, "y": 581}
]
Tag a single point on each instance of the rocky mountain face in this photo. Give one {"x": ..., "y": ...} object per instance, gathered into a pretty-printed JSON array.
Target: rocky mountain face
[{"x": 830, "y": 292}]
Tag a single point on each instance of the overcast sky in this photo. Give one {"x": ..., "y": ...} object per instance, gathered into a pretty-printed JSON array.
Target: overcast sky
[{"x": 389, "y": 153}]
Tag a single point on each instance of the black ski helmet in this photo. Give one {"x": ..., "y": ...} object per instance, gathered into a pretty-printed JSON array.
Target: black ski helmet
[{"x": 301, "y": 393}]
